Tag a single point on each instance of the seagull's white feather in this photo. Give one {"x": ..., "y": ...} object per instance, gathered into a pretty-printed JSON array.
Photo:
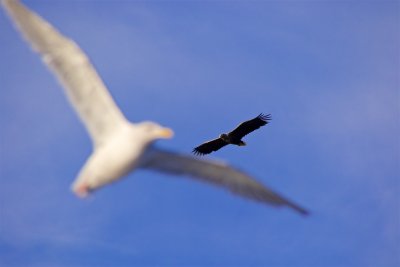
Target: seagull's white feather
[
  {"x": 120, "y": 146},
  {"x": 83, "y": 86},
  {"x": 214, "y": 172}
]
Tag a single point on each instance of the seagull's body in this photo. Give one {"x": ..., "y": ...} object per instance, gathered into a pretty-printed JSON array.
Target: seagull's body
[
  {"x": 119, "y": 146},
  {"x": 121, "y": 154}
]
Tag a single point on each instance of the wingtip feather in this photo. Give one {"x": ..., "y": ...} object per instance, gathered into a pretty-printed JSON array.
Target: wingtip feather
[
  {"x": 196, "y": 152},
  {"x": 300, "y": 210},
  {"x": 265, "y": 117}
]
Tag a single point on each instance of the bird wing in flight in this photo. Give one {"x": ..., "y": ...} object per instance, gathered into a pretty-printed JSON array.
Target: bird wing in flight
[
  {"x": 210, "y": 146},
  {"x": 248, "y": 126},
  {"x": 83, "y": 86},
  {"x": 215, "y": 173}
]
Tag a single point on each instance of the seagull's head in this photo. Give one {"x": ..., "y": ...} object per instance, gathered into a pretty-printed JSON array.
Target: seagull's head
[{"x": 154, "y": 131}]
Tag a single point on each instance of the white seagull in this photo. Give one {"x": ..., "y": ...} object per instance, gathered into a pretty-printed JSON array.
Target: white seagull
[{"x": 120, "y": 146}]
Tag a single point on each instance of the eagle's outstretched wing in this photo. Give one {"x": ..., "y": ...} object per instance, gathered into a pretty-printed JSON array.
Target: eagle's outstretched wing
[
  {"x": 210, "y": 146},
  {"x": 249, "y": 126}
]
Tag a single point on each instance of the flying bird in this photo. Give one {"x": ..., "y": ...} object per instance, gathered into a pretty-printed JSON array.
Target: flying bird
[
  {"x": 234, "y": 137},
  {"x": 119, "y": 146}
]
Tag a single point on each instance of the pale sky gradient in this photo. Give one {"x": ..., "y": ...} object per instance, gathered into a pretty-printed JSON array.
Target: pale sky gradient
[{"x": 327, "y": 71}]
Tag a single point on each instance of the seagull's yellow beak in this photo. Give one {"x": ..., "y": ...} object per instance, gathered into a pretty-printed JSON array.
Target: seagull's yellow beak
[{"x": 166, "y": 133}]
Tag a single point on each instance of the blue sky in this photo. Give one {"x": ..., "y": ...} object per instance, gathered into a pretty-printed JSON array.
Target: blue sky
[{"x": 327, "y": 71}]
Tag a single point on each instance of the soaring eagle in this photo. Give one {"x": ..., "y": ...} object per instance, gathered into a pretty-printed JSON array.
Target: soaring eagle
[
  {"x": 234, "y": 137},
  {"x": 119, "y": 146}
]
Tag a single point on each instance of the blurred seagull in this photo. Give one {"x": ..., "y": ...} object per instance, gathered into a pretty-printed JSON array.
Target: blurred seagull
[{"x": 120, "y": 146}]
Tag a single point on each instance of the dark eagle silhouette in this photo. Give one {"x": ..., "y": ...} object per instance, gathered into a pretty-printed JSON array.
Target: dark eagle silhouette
[{"x": 234, "y": 137}]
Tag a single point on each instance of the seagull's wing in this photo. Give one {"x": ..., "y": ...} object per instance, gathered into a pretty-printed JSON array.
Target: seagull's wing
[
  {"x": 216, "y": 173},
  {"x": 85, "y": 89},
  {"x": 210, "y": 146}
]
